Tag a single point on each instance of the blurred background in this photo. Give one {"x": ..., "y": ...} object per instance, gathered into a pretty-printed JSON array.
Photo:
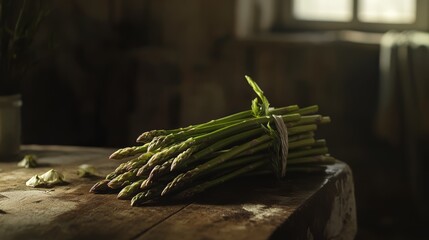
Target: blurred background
[{"x": 119, "y": 67}]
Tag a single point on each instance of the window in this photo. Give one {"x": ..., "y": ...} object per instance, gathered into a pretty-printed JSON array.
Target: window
[
  {"x": 259, "y": 16},
  {"x": 396, "y": 11},
  {"x": 377, "y": 15},
  {"x": 328, "y": 10}
]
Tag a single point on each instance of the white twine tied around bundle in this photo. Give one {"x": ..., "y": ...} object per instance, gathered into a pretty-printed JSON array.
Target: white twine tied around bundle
[{"x": 284, "y": 142}]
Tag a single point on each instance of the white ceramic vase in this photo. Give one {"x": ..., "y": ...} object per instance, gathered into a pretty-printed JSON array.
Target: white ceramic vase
[{"x": 10, "y": 127}]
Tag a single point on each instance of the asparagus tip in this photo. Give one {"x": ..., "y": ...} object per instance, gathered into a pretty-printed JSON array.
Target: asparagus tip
[
  {"x": 173, "y": 166},
  {"x": 325, "y": 119},
  {"x": 113, "y": 155},
  {"x": 154, "y": 172},
  {"x": 100, "y": 187},
  {"x": 124, "y": 193},
  {"x": 141, "y": 138},
  {"x": 114, "y": 184},
  {"x": 146, "y": 183},
  {"x": 137, "y": 199},
  {"x": 141, "y": 171}
]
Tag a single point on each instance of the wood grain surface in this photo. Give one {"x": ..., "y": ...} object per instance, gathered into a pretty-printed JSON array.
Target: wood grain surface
[{"x": 302, "y": 206}]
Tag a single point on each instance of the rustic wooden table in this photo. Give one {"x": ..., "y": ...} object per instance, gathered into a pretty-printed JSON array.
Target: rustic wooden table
[{"x": 305, "y": 206}]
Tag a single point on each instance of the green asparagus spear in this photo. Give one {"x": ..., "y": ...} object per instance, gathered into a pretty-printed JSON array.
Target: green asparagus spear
[
  {"x": 190, "y": 175},
  {"x": 129, "y": 151},
  {"x": 213, "y": 182},
  {"x": 131, "y": 190}
]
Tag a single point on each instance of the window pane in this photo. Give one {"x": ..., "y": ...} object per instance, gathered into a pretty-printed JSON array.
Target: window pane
[
  {"x": 323, "y": 10},
  {"x": 392, "y": 11}
]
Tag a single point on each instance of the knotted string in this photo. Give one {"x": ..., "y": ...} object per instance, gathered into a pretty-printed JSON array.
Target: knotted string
[{"x": 284, "y": 142}]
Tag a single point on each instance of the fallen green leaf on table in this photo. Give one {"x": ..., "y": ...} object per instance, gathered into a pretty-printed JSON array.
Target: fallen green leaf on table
[
  {"x": 36, "y": 181},
  {"x": 48, "y": 179},
  {"x": 29, "y": 161},
  {"x": 86, "y": 170}
]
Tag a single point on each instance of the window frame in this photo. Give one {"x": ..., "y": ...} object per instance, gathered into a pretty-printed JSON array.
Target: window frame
[{"x": 289, "y": 22}]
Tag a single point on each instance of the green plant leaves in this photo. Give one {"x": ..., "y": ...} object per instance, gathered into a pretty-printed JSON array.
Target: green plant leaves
[{"x": 258, "y": 108}]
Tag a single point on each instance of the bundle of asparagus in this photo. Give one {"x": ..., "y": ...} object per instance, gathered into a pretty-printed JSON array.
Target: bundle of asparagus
[{"x": 182, "y": 162}]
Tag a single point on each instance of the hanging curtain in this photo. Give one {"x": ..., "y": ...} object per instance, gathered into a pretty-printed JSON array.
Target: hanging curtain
[{"x": 403, "y": 113}]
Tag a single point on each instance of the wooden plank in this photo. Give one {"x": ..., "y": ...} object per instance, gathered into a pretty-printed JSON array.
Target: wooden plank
[
  {"x": 304, "y": 206},
  {"x": 69, "y": 212},
  {"x": 309, "y": 207}
]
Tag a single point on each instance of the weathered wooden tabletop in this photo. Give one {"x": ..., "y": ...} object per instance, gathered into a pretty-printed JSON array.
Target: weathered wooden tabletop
[{"x": 305, "y": 206}]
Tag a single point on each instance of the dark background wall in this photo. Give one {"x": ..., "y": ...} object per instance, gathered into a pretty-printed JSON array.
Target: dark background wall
[{"x": 121, "y": 67}]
